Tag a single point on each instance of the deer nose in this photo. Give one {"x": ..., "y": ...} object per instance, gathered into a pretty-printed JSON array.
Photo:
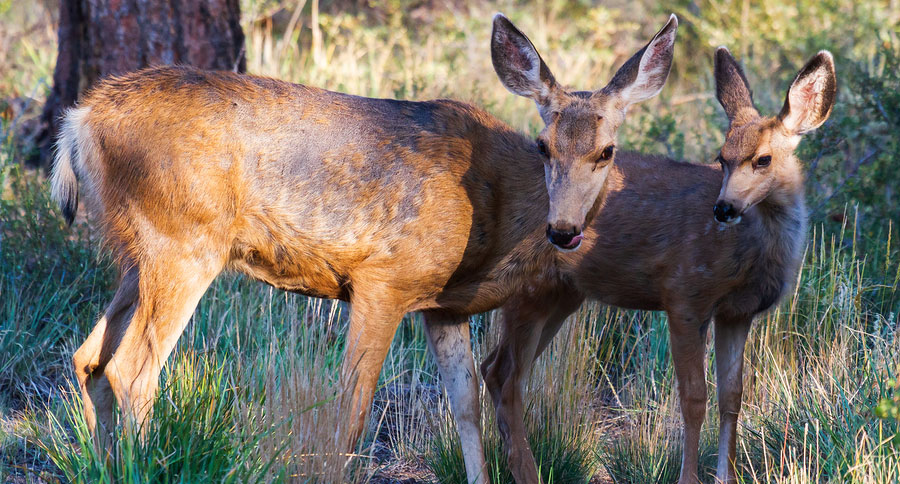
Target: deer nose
[
  {"x": 568, "y": 239},
  {"x": 724, "y": 211}
]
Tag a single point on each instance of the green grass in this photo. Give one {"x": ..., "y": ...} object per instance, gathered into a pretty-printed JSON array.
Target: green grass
[
  {"x": 650, "y": 452},
  {"x": 251, "y": 393},
  {"x": 52, "y": 285},
  {"x": 192, "y": 437}
]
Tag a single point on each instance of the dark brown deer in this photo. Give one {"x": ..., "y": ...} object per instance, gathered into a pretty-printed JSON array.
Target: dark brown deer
[
  {"x": 701, "y": 242},
  {"x": 393, "y": 206}
]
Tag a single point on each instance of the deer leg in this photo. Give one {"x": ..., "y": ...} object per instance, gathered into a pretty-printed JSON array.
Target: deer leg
[
  {"x": 448, "y": 339},
  {"x": 521, "y": 331},
  {"x": 526, "y": 321},
  {"x": 730, "y": 335},
  {"x": 373, "y": 322},
  {"x": 167, "y": 296},
  {"x": 688, "y": 340},
  {"x": 97, "y": 395},
  {"x": 554, "y": 322}
]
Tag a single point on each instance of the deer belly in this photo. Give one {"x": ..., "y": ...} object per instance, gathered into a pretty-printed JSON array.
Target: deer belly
[{"x": 307, "y": 271}]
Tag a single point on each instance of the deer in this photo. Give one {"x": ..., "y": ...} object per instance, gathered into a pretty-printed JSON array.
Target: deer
[
  {"x": 394, "y": 206},
  {"x": 656, "y": 245}
]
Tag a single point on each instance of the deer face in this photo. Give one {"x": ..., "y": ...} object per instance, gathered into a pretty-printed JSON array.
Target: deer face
[
  {"x": 578, "y": 142},
  {"x": 757, "y": 157}
]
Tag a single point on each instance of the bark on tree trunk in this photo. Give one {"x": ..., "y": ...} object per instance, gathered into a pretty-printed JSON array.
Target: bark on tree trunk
[{"x": 102, "y": 37}]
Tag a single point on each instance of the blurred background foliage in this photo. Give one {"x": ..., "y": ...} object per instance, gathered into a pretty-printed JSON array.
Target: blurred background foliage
[{"x": 423, "y": 49}]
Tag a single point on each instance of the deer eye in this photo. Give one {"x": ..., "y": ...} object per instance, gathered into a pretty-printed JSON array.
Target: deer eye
[
  {"x": 763, "y": 160},
  {"x": 542, "y": 148},
  {"x": 607, "y": 153}
]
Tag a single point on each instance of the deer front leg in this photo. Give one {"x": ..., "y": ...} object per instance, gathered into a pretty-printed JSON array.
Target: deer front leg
[
  {"x": 688, "y": 341},
  {"x": 528, "y": 322},
  {"x": 448, "y": 339},
  {"x": 731, "y": 336},
  {"x": 374, "y": 316},
  {"x": 503, "y": 377}
]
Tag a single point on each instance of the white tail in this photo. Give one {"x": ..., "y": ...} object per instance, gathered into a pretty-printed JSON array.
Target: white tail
[{"x": 69, "y": 150}]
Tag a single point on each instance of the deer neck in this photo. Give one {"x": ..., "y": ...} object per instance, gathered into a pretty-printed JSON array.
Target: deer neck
[{"x": 783, "y": 217}]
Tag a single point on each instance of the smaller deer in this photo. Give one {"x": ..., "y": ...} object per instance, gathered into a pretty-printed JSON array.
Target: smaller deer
[{"x": 655, "y": 245}]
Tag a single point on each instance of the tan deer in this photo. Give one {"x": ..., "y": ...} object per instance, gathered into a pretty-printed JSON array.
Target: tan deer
[
  {"x": 701, "y": 242},
  {"x": 394, "y": 206}
]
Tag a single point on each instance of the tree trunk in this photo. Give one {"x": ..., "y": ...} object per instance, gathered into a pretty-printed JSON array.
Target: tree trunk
[{"x": 98, "y": 38}]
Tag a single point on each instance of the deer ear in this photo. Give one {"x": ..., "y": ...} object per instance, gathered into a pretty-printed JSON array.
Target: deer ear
[
  {"x": 644, "y": 74},
  {"x": 811, "y": 96},
  {"x": 518, "y": 64},
  {"x": 732, "y": 89}
]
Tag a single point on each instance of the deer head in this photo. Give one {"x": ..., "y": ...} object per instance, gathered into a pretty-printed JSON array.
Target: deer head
[
  {"x": 578, "y": 142},
  {"x": 757, "y": 157}
]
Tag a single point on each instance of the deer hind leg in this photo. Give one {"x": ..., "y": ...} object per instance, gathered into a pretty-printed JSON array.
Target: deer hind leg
[
  {"x": 448, "y": 339},
  {"x": 688, "y": 341},
  {"x": 151, "y": 309},
  {"x": 374, "y": 317},
  {"x": 528, "y": 323},
  {"x": 90, "y": 360},
  {"x": 731, "y": 336}
]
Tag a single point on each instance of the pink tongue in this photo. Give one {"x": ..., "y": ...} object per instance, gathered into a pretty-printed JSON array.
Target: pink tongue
[{"x": 575, "y": 241}]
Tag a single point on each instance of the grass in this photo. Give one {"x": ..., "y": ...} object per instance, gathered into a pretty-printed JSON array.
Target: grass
[
  {"x": 251, "y": 393},
  {"x": 191, "y": 438},
  {"x": 559, "y": 459}
]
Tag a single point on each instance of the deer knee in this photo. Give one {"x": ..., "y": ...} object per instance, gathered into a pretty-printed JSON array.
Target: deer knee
[
  {"x": 485, "y": 366},
  {"x": 729, "y": 411},
  {"x": 82, "y": 365},
  {"x": 85, "y": 364},
  {"x": 693, "y": 406}
]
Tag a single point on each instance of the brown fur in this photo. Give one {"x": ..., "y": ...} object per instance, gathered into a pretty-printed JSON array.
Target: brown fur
[
  {"x": 394, "y": 206},
  {"x": 655, "y": 245},
  {"x": 186, "y": 154},
  {"x": 186, "y": 167}
]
